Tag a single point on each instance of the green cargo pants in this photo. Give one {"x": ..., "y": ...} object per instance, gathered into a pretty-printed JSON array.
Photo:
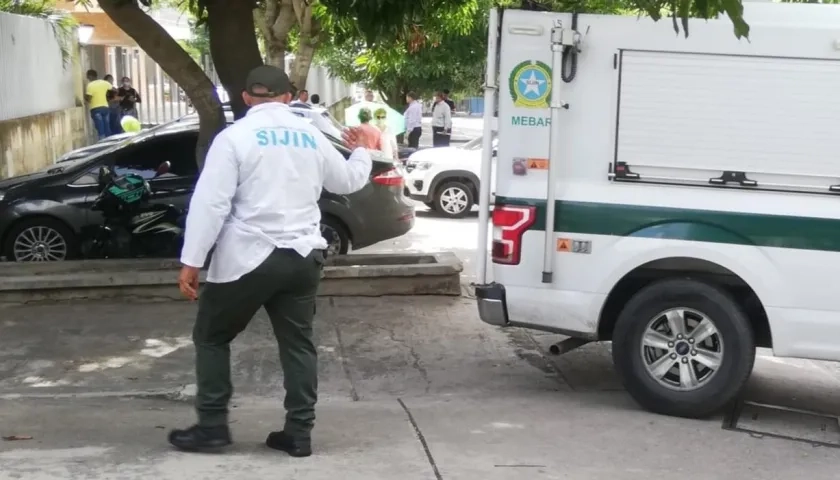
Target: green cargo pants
[{"x": 286, "y": 285}]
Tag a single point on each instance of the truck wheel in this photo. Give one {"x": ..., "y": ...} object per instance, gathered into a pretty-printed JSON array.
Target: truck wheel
[
  {"x": 683, "y": 347},
  {"x": 453, "y": 200}
]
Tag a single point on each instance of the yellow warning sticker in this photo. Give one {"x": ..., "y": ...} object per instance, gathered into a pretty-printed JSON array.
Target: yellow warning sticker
[
  {"x": 564, "y": 245},
  {"x": 538, "y": 163}
]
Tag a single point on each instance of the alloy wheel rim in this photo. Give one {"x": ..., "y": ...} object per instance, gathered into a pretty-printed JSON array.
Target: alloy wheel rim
[
  {"x": 40, "y": 244},
  {"x": 682, "y": 349},
  {"x": 333, "y": 245},
  {"x": 453, "y": 200}
]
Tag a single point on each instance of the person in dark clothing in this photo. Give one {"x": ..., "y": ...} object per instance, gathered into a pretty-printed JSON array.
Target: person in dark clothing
[
  {"x": 129, "y": 98},
  {"x": 114, "y": 110}
]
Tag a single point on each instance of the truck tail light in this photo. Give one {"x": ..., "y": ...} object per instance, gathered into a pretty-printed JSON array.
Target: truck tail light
[
  {"x": 390, "y": 178},
  {"x": 509, "y": 224}
]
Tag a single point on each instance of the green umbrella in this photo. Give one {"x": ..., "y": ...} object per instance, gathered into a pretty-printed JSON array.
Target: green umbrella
[{"x": 394, "y": 119}]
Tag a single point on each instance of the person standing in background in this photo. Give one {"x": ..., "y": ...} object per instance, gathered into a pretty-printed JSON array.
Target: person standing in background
[
  {"x": 130, "y": 98},
  {"x": 449, "y": 102},
  {"x": 389, "y": 140},
  {"x": 302, "y": 100},
  {"x": 372, "y": 134},
  {"x": 96, "y": 96},
  {"x": 114, "y": 109},
  {"x": 413, "y": 120},
  {"x": 316, "y": 100},
  {"x": 441, "y": 122},
  {"x": 368, "y": 96}
]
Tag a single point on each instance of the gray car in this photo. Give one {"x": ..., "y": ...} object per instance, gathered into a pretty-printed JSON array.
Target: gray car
[{"x": 44, "y": 215}]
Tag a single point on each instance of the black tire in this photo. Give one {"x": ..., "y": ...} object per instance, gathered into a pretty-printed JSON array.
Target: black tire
[
  {"x": 432, "y": 206},
  {"x": 440, "y": 205},
  {"x": 331, "y": 226},
  {"x": 69, "y": 238},
  {"x": 734, "y": 331}
]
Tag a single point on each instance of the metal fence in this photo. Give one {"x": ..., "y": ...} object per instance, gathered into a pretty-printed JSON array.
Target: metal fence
[
  {"x": 162, "y": 100},
  {"x": 33, "y": 78}
]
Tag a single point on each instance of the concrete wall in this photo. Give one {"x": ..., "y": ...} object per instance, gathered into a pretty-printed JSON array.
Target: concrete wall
[
  {"x": 337, "y": 109},
  {"x": 30, "y": 143}
]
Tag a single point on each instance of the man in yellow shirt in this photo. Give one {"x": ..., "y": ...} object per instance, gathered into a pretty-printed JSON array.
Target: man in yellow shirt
[{"x": 96, "y": 96}]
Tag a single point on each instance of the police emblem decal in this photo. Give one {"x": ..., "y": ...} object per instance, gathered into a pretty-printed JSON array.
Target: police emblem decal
[{"x": 530, "y": 84}]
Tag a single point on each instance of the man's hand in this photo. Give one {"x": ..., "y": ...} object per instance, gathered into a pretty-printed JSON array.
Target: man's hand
[
  {"x": 188, "y": 282},
  {"x": 354, "y": 137}
]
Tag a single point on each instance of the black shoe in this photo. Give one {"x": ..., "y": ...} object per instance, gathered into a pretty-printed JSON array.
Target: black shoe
[
  {"x": 296, "y": 447},
  {"x": 197, "y": 438}
]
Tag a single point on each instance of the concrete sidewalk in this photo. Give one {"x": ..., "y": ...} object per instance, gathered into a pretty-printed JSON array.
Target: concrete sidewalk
[
  {"x": 411, "y": 388},
  {"x": 550, "y": 436}
]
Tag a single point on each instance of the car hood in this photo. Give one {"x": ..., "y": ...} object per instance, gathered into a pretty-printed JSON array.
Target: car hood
[
  {"x": 84, "y": 152},
  {"x": 37, "y": 177},
  {"x": 443, "y": 155}
]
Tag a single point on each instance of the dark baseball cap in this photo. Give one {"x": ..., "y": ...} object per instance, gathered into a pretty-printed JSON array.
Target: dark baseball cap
[{"x": 269, "y": 77}]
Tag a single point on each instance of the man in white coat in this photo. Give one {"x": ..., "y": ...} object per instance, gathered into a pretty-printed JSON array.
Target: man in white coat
[{"x": 257, "y": 201}]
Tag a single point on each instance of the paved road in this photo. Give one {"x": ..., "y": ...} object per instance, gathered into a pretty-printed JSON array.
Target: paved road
[
  {"x": 411, "y": 388},
  {"x": 433, "y": 233},
  {"x": 464, "y": 129}
]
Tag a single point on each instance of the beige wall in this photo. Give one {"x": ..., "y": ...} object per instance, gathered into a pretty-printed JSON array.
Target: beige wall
[{"x": 29, "y": 144}]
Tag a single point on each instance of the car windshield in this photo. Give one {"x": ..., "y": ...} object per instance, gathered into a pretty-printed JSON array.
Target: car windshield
[
  {"x": 337, "y": 144},
  {"x": 332, "y": 120},
  {"x": 95, "y": 153},
  {"x": 476, "y": 143}
]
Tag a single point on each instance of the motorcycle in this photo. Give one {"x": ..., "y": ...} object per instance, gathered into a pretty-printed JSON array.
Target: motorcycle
[{"x": 133, "y": 227}]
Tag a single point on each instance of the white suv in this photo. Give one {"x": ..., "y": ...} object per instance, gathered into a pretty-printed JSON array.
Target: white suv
[{"x": 447, "y": 179}]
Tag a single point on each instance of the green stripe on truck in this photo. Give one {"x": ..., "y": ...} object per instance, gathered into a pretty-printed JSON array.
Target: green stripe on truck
[{"x": 736, "y": 228}]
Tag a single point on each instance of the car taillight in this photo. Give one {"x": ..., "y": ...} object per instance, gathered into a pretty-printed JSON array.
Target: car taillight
[
  {"x": 390, "y": 178},
  {"x": 509, "y": 224}
]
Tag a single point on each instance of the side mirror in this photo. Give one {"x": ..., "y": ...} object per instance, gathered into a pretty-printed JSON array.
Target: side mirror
[
  {"x": 495, "y": 153},
  {"x": 163, "y": 168},
  {"x": 104, "y": 174}
]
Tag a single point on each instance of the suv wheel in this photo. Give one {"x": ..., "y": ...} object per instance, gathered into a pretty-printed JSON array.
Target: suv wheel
[
  {"x": 335, "y": 233},
  {"x": 683, "y": 347},
  {"x": 40, "y": 240},
  {"x": 454, "y": 199}
]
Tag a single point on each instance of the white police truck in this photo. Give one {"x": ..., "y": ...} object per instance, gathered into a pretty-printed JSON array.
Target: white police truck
[{"x": 677, "y": 195}]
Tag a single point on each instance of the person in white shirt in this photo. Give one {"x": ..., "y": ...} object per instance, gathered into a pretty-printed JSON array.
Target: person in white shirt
[
  {"x": 389, "y": 140},
  {"x": 302, "y": 100},
  {"x": 441, "y": 122},
  {"x": 413, "y": 120},
  {"x": 257, "y": 201}
]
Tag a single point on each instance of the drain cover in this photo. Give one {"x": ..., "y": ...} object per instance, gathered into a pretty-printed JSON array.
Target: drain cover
[{"x": 784, "y": 423}]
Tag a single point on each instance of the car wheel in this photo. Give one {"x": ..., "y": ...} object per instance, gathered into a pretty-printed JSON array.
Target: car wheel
[
  {"x": 683, "y": 347},
  {"x": 432, "y": 205},
  {"x": 40, "y": 240},
  {"x": 453, "y": 200},
  {"x": 336, "y": 235}
]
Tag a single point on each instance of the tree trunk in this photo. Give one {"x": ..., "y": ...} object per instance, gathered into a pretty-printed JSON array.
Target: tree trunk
[
  {"x": 233, "y": 46},
  {"x": 176, "y": 62},
  {"x": 275, "y": 21},
  {"x": 308, "y": 38}
]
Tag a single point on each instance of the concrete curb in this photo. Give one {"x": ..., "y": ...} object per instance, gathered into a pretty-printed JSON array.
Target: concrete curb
[{"x": 348, "y": 275}]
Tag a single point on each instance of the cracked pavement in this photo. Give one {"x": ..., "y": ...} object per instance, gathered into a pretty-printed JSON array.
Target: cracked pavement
[{"x": 410, "y": 387}]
